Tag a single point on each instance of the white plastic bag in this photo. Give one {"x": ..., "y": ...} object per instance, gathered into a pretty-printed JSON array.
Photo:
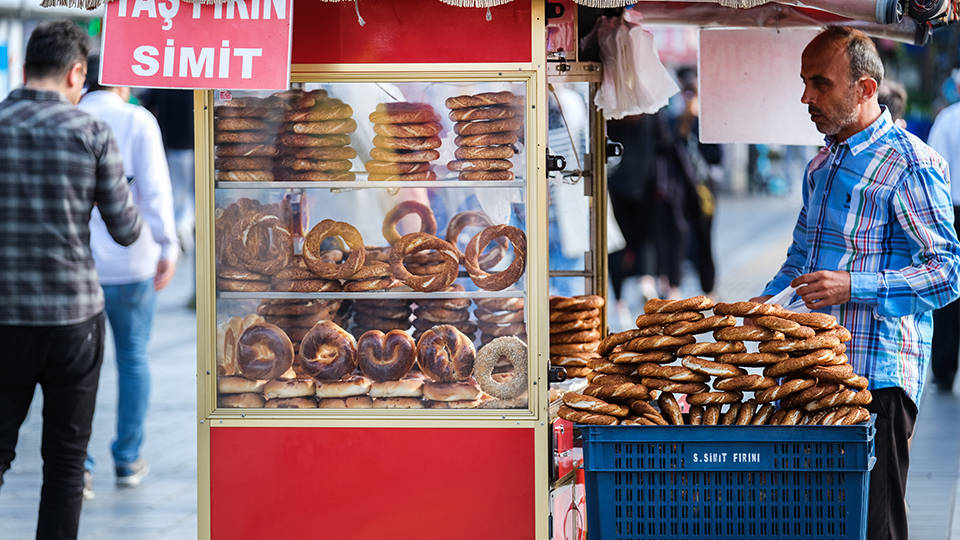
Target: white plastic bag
[
  {"x": 606, "y": 97},
  {"x": 634, "y": 80},
  {"x": 796, "y": 306},
  {"x": 615, "y": 239}
]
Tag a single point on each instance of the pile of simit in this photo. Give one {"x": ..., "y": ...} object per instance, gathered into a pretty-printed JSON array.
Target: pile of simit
[
  {"x": 801, "y": 364},
  {"x": 575, "y": 332}
]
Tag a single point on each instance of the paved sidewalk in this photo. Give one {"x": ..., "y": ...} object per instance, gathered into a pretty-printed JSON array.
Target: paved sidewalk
[
  {"x": 751, "y": 236},
  {"x": 935, "y": 468},
  {"x": 164, "y": 506}
]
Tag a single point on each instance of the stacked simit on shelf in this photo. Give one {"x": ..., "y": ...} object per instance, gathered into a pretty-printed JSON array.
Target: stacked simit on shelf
[
  {"x": 487, "y": 126},
  {"x": 335, "y": 317},
  {"x": 315, "y": 139},
  {"x": 312, "y": 129},
  {"x": 407, "y": 131}
]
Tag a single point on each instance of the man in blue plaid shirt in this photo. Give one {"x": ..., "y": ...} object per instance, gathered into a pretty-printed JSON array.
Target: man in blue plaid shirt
[
  {"x": 56, "y": 163},
  {"x": 875, "y": 246}
]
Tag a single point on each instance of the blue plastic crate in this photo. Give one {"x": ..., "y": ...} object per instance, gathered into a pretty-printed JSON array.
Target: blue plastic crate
[{"x": 727, "y": 482}]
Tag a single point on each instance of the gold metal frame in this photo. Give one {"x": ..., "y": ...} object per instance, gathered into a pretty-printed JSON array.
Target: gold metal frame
[
  {"x": 206, "y": 314},
  {"x": 599, "y": 241},
  {"x": 534, "y": 417},
  {"x": 572, "y": 71}
]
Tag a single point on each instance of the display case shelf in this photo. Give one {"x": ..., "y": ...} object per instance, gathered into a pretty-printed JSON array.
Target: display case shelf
[
  {"x": 369, "y": 185},
  {"x": 370, "y": 295}
]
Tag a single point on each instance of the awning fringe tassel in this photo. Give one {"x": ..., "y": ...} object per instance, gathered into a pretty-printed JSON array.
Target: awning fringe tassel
[
  {"x": 93, "y": 4},
  {"x": 476, "y": 3},
  {"x": 604, "y": 3},
  {"x": 80, "y": 4},
  {"x": 743, "y": 4},
  {"x": 356, "y": 6}
]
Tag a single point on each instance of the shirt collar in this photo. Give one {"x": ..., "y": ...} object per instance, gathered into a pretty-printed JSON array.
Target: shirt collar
[
  {"x": 101, "y": 95},
  {"x": 34, "y": 94},
  {"x": 860, "y": 141}
]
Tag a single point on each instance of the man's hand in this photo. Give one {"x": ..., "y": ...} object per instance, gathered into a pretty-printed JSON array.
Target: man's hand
[
  {"x": 165, "y": 271},
  {"x": 823, "y": 288}
]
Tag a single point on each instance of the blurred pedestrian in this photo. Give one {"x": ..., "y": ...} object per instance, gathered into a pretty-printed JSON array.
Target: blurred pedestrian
[
  {"x": 700, "y": 162},
  {"x": 56, "y": 163},
  {"x": 657, "y": 200},
  {"x": 131, "y": 276},
  {"x": 632, "y": 185},
  {"x": 174, "y": 112},
  {"x": 893, "y": 96},
  {"x": 875, "y": 246},
  {"x": 945, "y": 139},
  {"x": 672, "y": 229}
]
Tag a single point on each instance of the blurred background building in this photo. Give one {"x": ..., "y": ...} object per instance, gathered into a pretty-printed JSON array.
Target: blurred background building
[{"x": 17, "y": 19}]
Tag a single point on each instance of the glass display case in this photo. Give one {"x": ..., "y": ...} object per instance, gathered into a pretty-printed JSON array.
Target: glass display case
[
  {"x": 372, "y": 245},
  {"x": 372, "y": 280},
  {"x": 577, "y": 202}
]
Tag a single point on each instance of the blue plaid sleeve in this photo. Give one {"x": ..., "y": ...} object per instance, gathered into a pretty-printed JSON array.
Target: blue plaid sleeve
[{"x": 923, "y": 208}]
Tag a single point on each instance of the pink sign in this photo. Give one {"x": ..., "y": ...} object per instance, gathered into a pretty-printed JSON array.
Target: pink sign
[{"x": 239, "y": 44}]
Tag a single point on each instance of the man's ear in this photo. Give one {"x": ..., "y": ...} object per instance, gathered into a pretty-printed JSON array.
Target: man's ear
[
  {"x": 868, "y": 88},
  {"x": 76, "y": 76}
]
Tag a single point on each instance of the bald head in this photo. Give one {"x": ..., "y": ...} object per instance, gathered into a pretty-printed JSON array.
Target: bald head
[{"x": 859, "y": 49}]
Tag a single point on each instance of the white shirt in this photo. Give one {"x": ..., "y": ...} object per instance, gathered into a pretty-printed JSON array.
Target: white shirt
[
  {"x": 945, "y": 139},
  {"x": 138, "y": 135}
]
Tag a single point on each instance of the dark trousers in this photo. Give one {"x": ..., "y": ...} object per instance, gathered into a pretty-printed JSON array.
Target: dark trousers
[
  {"x": 701, "y": 251},
  {"x": 65, "y": 361},
  {"x": 946, "y": 334},
  {"x": 896, "y": 415}
]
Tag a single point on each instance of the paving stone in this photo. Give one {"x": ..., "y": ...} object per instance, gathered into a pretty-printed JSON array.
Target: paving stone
[{"x": 932, "y": 482}]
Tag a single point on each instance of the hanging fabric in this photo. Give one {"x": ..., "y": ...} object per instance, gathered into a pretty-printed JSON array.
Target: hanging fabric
[
  {"x": 927, "y": 10},
  {"x": 876, "y": 11},
  {"x": 772, "y": 15}
]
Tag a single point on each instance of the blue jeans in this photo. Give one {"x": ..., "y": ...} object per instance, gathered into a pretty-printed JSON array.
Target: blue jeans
[
  {"x": 180, "y": 163},
  {"x": 130, "y": 308}
]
